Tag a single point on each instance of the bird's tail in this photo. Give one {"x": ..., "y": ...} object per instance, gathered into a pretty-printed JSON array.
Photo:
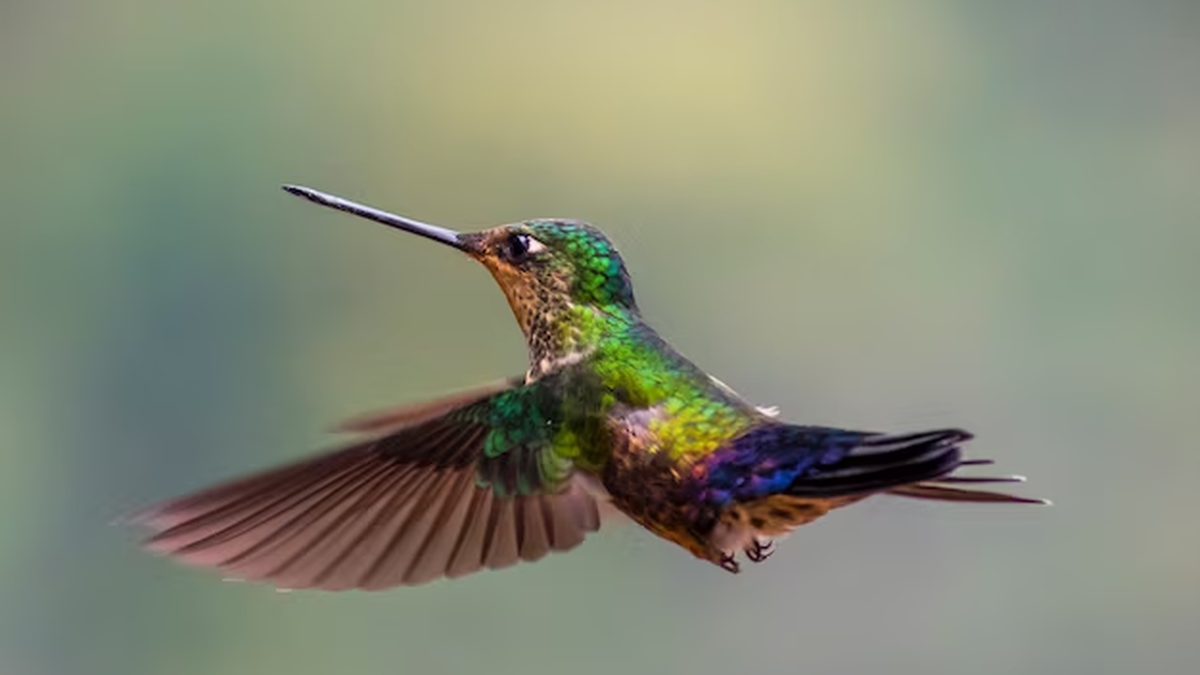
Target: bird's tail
[
  {"x": 917, "y": 465},
  {"x": 881, "y": 462}
]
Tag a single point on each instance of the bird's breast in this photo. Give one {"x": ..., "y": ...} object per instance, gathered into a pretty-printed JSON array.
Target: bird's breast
[{"x": 651, "y": 486}]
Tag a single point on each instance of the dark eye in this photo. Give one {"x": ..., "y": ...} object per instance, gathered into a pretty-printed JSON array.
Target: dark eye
[{"x": 519, "y": 246}]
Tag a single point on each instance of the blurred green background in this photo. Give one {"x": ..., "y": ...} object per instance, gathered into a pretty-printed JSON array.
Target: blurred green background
[{"x": 873, "y": 214}]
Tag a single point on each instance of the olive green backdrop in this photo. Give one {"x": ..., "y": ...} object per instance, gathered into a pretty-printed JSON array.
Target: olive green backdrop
[{"x": 875, "y": 214}]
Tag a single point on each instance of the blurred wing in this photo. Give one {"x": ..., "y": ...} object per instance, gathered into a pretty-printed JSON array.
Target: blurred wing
[{"x": 400, "y": 510}]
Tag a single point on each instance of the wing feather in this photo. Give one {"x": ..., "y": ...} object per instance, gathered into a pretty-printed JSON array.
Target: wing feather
[{"x": 403, "y": 509}]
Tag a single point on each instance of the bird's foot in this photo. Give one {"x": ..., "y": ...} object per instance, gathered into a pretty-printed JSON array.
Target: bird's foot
[
  {"x": 760, "y": 550},
  {"x": 729, "y": 564}
]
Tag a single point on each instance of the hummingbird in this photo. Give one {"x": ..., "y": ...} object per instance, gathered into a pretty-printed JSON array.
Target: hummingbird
[{"x": 608, "y": 416}]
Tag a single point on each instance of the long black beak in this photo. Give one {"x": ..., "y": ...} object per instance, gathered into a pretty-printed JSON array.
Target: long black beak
[{"x": 438, "y": 234}]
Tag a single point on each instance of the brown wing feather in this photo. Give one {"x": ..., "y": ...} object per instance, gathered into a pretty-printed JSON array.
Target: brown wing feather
[{"x": 398, "y": 511}]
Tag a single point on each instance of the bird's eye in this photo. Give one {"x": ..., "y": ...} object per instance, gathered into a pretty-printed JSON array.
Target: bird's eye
[{"x": 519, "y": 246}]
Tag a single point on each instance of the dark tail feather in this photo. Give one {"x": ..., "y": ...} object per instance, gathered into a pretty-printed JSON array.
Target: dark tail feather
[
  {"x": 884, "y": 462},
  {"x": 932, "y": 490},
  {"x": 976, "y": 462},
  {"x": 981, "y": 479}
]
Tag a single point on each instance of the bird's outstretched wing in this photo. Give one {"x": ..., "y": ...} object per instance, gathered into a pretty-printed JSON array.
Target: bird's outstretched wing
[{"x": 449, "y": 487}]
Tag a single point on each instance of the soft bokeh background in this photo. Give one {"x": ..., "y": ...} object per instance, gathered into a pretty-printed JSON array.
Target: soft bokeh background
[{"x": 876, "y": 214}]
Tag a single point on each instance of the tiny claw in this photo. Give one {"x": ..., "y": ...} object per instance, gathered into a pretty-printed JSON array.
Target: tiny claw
[
  {"x": 760, "y": 551},
  {"x": 729, "y": 564}
]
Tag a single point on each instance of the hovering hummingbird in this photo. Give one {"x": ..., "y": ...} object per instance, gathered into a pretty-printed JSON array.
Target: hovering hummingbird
[{"x": 607, "y": 414}]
